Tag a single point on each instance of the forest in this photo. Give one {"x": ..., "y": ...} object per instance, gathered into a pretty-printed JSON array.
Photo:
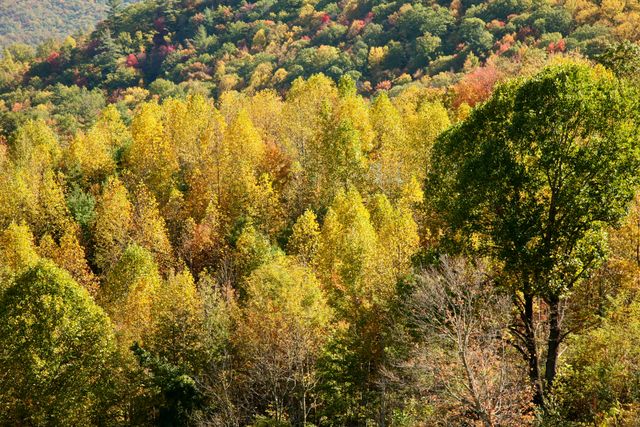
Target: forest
[
  {"x": 36, "y": 21},
  {"x": 444, "y": 240}
]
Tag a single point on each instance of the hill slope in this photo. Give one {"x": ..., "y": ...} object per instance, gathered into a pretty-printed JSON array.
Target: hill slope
[
  {"x": 172, "y": 47},
  {"x": 34, "y": 21}
]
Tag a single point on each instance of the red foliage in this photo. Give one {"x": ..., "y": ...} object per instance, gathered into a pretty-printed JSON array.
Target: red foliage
[
  {"x": 495, "y": 24},
  {"x": 79, "y": 79},
  {"x": 559, "y": 46},
  {"x": 132, "y": 61},
  {"x": 53, "y": 58},
  {"x": 384, "y": 85},
  {"x": 159, "y": 24},
  {"x": 356, "y": 27},
  {"x": 325, "y": 18},
  {"x": 369, "y": 17},
  {"x": 476, "y": 86},
  {"x": 524, "y": 33},
  {"x": 505, "y": 44},
  {"x": 165, "y": 50}
]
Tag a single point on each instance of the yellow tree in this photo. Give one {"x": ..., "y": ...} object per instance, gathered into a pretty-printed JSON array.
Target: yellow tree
[
  {"x": 359, "y": 259},
  {"x": 397, "y": 237},
  {"x": 305, "y": 237},
  {"x": 128, "y": 295},
  {"x": 281, "y": 331},
  {"x": 203, "y": 244},
  {"x": 17, "y": 252},
  {"x": 178, "y": 323},
  {"x": 388, "y": 170},
  {"x": 111, "y": 126},
  {"x": 53, "y": 215},
  {"x": 35, "y": 147},
  {"x": 70, "y": 255},
  {"x": 151, "y": 158},
  {"x": 149, "y": 229},
  {"x": 424, "y": 125},
  {"x": 246, "y": 151},
  {"x": 206, "y": 165},
  {"x": 112, "y": 225},
  {"x": 90, "y": 155}
]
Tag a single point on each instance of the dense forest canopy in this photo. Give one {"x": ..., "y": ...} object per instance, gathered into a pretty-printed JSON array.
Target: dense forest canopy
[
  {"x": 312, "y": 213},
  {"x": 166, "y": 48},
  {"x": 35, "y": 21}
]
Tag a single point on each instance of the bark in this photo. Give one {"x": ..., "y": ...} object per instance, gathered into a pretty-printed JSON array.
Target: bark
[
  {"x": 532, "y": 351},
  {"x": 553, "y": 342}
]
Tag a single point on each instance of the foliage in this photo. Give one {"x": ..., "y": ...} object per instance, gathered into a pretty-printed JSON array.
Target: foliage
[
  {"x": 239, "y": 187},
  {"x": 57, "y": 349},
  {"x": 533, "y": 177}
]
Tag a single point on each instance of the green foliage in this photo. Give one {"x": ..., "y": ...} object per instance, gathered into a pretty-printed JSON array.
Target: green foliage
[
  {"x": 254, "y": 252},
  {"x": 36, "y": 21},
  {"x": 532, "y": 178},
  {"x": 599, "y": 381},
  {"x": 56, "y": 352},
  {"x": 558, "y": 155},
  {"x": 177, "y": 393}
]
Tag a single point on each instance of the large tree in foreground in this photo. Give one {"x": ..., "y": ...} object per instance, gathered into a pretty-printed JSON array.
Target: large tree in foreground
[
  {"x": 56, "y": 349},
  {"x": 533, "y": 178}
]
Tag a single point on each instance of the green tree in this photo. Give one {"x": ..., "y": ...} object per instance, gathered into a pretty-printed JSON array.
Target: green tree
[
  {"x": 55, "y": 352},
  {"x": 533, "y": 177}
]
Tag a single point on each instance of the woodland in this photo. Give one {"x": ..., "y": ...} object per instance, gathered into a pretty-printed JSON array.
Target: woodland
[{"x": 304, "y": 213}]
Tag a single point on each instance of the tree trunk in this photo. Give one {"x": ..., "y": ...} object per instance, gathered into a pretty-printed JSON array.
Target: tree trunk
[
  {"x": 532, "y": 352},
  {"x": 553, "y": 342}
]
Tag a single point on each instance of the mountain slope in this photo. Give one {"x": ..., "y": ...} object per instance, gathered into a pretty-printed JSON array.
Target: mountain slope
[
  {"x": 168, "y": 48},
  {"x": 34, "y": 21}
]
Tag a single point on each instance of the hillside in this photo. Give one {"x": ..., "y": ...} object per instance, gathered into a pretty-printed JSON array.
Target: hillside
[
  {"x": 170, "y": 47},
  {"x": 34, "y": 21}
]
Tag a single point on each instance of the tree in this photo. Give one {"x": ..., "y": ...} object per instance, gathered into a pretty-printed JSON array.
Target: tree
[
  {"x": 17, "y": 252},
  {"x": 91, "y": 155},
  {"x": 622, "y": 59},
  {"x": 149, "y": 229},
  {"x": 305, "y": 237},
  {"x": 246, "y": 151},
  {"x": 281, "y": 332},
  {"x": 56, "y": 350},
  {"x": 359, "y": 275},
  {"x": 128, "y": 294},
  {"x": 178, "y": 317},
  {"x": 599, "y": 379},
  {"x": 113, "y": 221},
  {"x": 532, "y": 178},
  {"x": 69, "y": 255},
  {"x": 461, "y": 357},
  {"x": 151, "y": 157},
  {"x": 473, "y": 33}
]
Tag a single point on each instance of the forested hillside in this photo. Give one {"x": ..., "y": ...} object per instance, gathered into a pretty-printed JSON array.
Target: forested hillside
[
  {"x": 35, "y": 21},
  {"x": 170, "y": 47},
  {"x": 334, "y": 214}
]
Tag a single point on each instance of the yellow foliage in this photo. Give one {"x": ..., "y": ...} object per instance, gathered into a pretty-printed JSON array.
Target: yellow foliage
[{"x": 113, "y": 222}]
